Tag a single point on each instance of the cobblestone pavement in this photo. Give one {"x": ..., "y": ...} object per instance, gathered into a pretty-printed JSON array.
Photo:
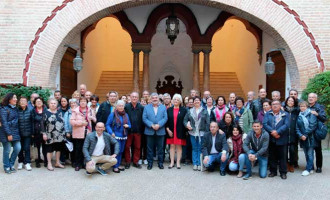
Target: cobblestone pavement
[{"x": 157, "y": 184}]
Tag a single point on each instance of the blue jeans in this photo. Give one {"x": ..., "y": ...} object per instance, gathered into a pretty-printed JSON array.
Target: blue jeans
[
  {"x": 120, "y": 154},
  {"x": 262, "y": 165},
  {"x": 309, "y": 154},
  {"x": 24, "y": 154},
  {"x": 214, "y": 159},
  {"x": 238, "y": 166},
  {"x": 9, "y": 161},
  {"x": 196, "y": 149}
]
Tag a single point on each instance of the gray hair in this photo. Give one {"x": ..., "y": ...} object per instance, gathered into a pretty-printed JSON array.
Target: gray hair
[
  {"x": 73, "y": 101},
  {"x": 154, "y": 94},
  {"x": 177, "y": 96},
  {"x": 120, "y": 102},
  {"x": 166, "y": 95},
  {"x": 276, "y": 92},
  {"x": 313, "y": 94},
  {"x": 52, "y": 99}
]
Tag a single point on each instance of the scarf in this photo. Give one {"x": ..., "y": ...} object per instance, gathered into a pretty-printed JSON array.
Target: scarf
[
  {"x": 42, "y": 110},
  {"x": 303, "y": 115},
  {"x": 86, "y": 117},
  {"x": 197, "y": 118},
  {"x": 217, "y": 112},
  {"x": 240, "y": 112},
  {"x": 118, "y": 122},
  {"x": 289, "y": 109},
  {"x": 237, "y": 147}
]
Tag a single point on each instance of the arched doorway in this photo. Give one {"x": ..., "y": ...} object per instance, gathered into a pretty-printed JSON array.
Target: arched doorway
[{"x": 50, "y": 55}]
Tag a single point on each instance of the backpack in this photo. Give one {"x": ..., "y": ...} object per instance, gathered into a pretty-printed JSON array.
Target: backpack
[{"x": 321, "y": 131}]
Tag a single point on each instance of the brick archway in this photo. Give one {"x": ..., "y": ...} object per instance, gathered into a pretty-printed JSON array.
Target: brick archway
[{"x": 302, "y": 54}]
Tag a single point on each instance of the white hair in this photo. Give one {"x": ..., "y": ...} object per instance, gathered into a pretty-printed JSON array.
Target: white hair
[
  {"x": 276, "y": 92},
  {"x": 120, "y": 102},
  {"x": 313, "y": 94},
  {"x": 177, "y": 96},
  {"x": 73, "y": 101}
]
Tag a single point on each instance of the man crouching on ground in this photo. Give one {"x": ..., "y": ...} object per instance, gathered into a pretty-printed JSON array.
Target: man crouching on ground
[
  {"x": 97, "y": 150},
  {"x": 215, "y": 149}
]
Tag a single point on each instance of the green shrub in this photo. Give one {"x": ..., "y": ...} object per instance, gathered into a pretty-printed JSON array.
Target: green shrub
[
  {"x": 320, "y": 85},
  {"x": 21, "y": 90}
]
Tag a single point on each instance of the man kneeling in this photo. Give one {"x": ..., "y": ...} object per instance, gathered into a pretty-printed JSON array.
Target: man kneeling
[
  {"x": 215, "y": 149},
  {"x": 97, "y": 150},
  {"x": 256, "y": 147}
]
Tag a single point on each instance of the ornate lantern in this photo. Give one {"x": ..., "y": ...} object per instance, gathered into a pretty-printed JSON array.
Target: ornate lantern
[
  {"x": 172, "y": 28},
  {"x": 269, "y": 66},
  {"x": 77, "y": 63}
]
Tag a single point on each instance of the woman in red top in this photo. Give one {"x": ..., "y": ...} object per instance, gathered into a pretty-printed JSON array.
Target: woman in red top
[{"x": 176, "y": 130}]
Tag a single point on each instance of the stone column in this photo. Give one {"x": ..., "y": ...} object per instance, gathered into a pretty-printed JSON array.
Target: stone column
[
  {"x": 206, "y": 69},
  {"x": 136, "y": 61},
  {"x": 196, "y": 52},
  {"x": 146, "y": 68}
]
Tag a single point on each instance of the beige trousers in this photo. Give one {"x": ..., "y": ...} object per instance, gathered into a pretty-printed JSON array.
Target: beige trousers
[{"x": 105, "y": 162}]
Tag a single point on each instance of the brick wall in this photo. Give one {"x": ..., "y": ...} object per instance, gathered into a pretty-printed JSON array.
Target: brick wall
[{"x": 20, "y": 21}]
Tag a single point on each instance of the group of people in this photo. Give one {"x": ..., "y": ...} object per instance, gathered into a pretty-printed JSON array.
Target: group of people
[{"x": 130, "y": 130}]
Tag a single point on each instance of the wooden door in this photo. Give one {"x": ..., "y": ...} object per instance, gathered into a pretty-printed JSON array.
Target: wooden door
[
  {"x": 277, "y": 80},
  {"x": 68, "y": 74}
]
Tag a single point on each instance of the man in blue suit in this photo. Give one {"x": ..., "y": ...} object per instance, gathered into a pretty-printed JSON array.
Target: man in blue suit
[{"x": 155, "y": 118}]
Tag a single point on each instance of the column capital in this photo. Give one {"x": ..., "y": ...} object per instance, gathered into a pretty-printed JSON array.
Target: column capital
[
  {"x": 137, "y": 47},
  {"x": 146, "y": 51},
  {"x": 205, "y": 48},
  {"x": 136, "y": 50}
]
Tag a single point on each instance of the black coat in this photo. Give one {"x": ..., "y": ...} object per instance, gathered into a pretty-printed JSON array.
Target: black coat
[
  {"x": 37, "y": 120},
  {"x": 25, "y": 122},
  {"x": 322, "y": 116},
  {"x": 180, "y": 128},
  {"x": 103, "y": 112},
  {"x": 9, "y": 123},
  {"x": 256, "y": 107},
  {"x": 293, "y": 116},
  {"x": 227, "y": 129},
  {"x": 137, "y": 125},
  {"x": 220, "y": 143}
]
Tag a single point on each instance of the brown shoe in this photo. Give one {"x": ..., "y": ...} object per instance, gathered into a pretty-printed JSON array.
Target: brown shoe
[
  {"x": 240, "y": 174},
  {"x": 290, "y": 168}
]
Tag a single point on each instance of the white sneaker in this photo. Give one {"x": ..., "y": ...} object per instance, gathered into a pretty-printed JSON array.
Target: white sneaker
[
  {"x": 140, "y": 162},
  {"x": 145, "y": 162},
  {"x": 28, "y": 167},
  {"x": 195, "y": 167},
  {"x": 199, "y": 168},
  {"x": 305, "y": 173},
  {"x": 311, "y": 172},
  {"x": 20, "y": 166}
]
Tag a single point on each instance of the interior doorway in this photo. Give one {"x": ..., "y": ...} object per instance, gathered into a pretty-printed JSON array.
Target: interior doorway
[
  {"x": 277, "y": 80},
  {"x": 68, "y": 74}
]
